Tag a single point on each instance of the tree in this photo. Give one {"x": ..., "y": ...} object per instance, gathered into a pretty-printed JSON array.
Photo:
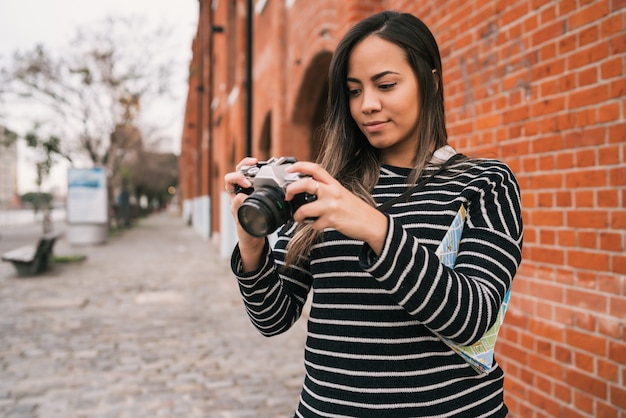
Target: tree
[
  {"x": 47, "y": 150},
  {"x": 99, "y": 93},
  {"x": 153, "y": 175},
  {"x": 7, "y": 137}
]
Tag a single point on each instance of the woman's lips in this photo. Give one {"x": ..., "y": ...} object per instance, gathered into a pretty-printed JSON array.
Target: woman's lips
[{"x": 375, "y": 126}]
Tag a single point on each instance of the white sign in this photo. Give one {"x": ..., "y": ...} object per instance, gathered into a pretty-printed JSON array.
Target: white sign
[{"x": 87, "y": 196}]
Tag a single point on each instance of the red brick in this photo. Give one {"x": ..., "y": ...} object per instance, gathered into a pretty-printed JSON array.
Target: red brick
[
  {"x": 618, "y": 44},
  {"x": 604, "y": 410},
  {"x": 584, "y": 362},
  {"x": 587, "y": 239},
  {"x": 618, "y": 306},
  {"x": 586, "y": 158},
  {"x": 618, "y": 176},
  {"x": 609, "y": 155},
  {"x": 617, "y": 88},
  {"x": 611, "y": 241},
  {"x": 547, "y": 218},
  {"x": 567, "y": 238},
  {"x": 584, "y": 402},
  {"x": 608, "y": 370},
  {"x": 547, "y": 238},
  {"x": 563, "y": 354},
  {"x": 589, "y": 96},
  {"x": 587, "y": 383},
  {"x": 546, "y": 181},
  {"x": 572, "y": 412},
  {"x": 544, "y": 402},
  {"x": 618, "y": 220},
  {"x": 611, "y": 68},
  {"x": 586, "y": 15},
  {"x": 588, "y": 260},
  {"x": 617, "y": 133},
  {"x": 546, "y": 330},
  {"x": 586, "y": 178},
  {"x": 617, "y": 352},
  {"x": 587, "y": 76},
  {"x": 587, "y": 218},
  {"x": 563, "y": 199},
  {"x": 584, "y": 199},
  {"x": 609, "y": 112},
  {"x": 585, "y": 138},
  {"x": 586, "y": 341},
  {"x": 608, "y": 198},
  {"x": 619, "y": 264},
  {"x": 584, "y": 299},
  {"x": 548, "y": 32},
  {"x": 612, "y": 24},
  {"x": 563, "y": 392},
  {"x": 609, "y": 283},
  {"x": 548, "y": 143},
  {"x": 545, "y": 366},
  {"x": 618, "y": 396},
  {"x": 586, "y": 117}
]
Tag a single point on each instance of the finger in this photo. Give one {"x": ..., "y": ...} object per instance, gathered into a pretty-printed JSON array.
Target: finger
[
  {"x": 312, "y": 169},
  {"x": 247, "y": 161},
  {"x": 305, "y": 185},
  {"x": 309, "y": 213},
  {"x": 234, "y": 179}
]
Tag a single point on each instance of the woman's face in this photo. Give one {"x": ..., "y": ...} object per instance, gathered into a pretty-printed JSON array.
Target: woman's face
[{"x": 384, "y": 99}]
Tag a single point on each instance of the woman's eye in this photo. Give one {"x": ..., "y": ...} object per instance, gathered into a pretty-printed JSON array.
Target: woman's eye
[
  {"x": 387, "y": 86},
  {"x": 354, "y": 92}
]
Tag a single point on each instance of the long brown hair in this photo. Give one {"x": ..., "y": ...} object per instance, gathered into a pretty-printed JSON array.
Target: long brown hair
[{"x": 346, "y": 153}]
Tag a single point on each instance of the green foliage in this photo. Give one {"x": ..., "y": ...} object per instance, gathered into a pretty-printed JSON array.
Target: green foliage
[
  {"x": 47, "y": 149},
  {"x": 37, "y": 200},
  {"x": 7, "y": 137}
]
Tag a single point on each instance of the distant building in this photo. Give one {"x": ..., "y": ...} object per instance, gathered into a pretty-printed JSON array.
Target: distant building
[{"x": 8, "y": 167}]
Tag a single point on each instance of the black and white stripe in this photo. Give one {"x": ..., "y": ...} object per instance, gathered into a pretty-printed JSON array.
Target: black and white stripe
[{"x": 371, "y": 349}]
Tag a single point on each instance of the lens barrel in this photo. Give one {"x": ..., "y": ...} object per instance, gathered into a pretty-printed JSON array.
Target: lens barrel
[{"x": 263, "y": 211}]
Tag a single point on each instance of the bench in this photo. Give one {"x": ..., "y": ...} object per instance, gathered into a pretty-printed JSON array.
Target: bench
[{"x": 32, "y": 260}]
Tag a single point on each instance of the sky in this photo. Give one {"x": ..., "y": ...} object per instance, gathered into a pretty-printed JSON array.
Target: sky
[{"x": 53, "y": 23}]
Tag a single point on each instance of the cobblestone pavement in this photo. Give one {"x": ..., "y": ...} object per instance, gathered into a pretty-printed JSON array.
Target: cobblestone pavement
[{"x": 151, "y": 324}]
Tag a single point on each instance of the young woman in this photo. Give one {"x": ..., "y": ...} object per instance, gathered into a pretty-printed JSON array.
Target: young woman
[{"x": 383, "y": 301}]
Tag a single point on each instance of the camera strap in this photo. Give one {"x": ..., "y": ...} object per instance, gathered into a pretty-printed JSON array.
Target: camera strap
[{"x": 419, "y": 186}]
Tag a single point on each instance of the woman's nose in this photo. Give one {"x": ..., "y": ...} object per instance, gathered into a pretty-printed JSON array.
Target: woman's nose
[{"x": 371, "y": 102}]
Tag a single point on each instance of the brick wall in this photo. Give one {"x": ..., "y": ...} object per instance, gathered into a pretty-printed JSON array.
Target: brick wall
[{"x": 537, "y": 84}]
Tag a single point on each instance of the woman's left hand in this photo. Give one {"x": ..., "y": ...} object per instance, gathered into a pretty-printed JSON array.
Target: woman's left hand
[{"x": 336, "y": 207}]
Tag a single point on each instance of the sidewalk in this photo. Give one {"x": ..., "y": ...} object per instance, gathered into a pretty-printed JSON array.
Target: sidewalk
[{"x": 150, "y": 325}]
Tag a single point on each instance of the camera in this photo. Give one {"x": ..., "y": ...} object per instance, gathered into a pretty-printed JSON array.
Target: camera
[{"x": 265, "y": 208}]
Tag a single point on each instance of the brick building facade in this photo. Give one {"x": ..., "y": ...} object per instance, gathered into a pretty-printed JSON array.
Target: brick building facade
[{"x": 538, "y": 84}]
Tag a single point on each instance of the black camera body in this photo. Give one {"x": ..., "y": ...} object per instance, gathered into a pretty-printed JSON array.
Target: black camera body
[{"x": 265, "y": 208}]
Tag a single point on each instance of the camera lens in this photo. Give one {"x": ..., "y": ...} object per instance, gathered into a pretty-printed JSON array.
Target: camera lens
[{"x": 263, "y": 211}]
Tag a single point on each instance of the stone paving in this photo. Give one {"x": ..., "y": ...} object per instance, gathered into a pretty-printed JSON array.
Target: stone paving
[{"x": 151, "y": 324}]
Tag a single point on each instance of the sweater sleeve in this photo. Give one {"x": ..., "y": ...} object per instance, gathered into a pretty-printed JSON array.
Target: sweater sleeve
[
  {"x": 459, "y": 303},
  {"x": 273, "y": 297}
]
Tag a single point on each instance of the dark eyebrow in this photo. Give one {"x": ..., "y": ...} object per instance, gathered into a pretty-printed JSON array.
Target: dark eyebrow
[{"x": 374, "y": 77}]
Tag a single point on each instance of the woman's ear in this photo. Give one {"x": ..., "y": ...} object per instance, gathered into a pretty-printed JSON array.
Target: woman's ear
[{"x": 436, "y": 78}]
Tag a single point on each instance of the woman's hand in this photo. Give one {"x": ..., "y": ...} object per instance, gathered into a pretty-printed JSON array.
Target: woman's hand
[
  {"x": 250, "y": 246},
  {"x": 336, "y": 207}
]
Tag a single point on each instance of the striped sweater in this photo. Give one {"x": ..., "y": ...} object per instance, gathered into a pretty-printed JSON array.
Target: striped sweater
[{"x": 371, "y": 349}]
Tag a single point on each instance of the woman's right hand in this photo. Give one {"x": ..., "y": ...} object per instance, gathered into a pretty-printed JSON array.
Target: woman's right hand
[{"x": 250, "y": 247}]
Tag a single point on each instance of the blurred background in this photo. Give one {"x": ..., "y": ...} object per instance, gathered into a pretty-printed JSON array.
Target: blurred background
[{"x": 86, "y": 85}]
